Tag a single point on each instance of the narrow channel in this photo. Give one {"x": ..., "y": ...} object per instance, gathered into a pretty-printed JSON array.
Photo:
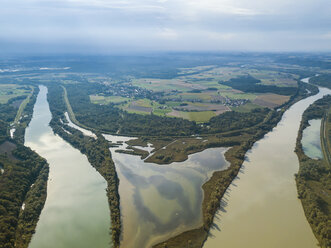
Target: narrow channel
[
  {"x": 76, "y": 212},
  {"x": 261, "y": 207}
]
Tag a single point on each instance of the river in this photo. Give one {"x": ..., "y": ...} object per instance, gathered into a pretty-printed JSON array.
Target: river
[
  {"x": 76, "y": 212},
  {"x": 261, "y": 208}
]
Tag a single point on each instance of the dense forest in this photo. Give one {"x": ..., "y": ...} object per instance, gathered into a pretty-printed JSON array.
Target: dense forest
[
  {"x": 230, "y": 121},
  {"x": 24, "y": 180},
  {"x": 323, "y": 80},
  {"x": 251, "y": 84},
  {"x": 314, "y": 180}
]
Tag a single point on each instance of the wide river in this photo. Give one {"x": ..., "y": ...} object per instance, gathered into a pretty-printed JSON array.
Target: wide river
[
  {"x": 260, "y": 208},
  {"x": 76, "y": 212}
]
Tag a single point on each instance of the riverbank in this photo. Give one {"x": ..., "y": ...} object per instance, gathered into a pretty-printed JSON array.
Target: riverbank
[
  {"x": 313, "y": 179},
  {"x": 23, "y": 181}
]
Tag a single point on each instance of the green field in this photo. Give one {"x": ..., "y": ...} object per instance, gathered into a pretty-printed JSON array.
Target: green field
[
  {"x": 8, "y": 91},
  {"x": 196, "y": 96},
  {"x": 245, "y": 108},
  {"x": 22, "y": 106},
  {"x": 199, "y": 117},
  {"x": 98, "y": 99},
  {"x": 234, "y": 95}
]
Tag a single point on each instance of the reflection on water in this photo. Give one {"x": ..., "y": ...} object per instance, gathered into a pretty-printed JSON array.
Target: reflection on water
[
  {"x": 76, "y": 212},
  {"x": 263, "y": 210},
  {"x": 160, "y": 201},
  {"x": 83, "y": 130},
  {"x": 311, "y": 140}
]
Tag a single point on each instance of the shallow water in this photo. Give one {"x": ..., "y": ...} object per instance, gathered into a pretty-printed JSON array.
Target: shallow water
[
  {"x": 311, "y": 140},
  {"x": 83, "y": 130},
  {"x": 161, "y": 201},
  {"x": 261, "y": 208},
  {"x": 76, "y": 212}
]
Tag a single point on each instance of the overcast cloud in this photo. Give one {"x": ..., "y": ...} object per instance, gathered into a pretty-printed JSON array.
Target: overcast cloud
[{"x": 144, "y": 25}]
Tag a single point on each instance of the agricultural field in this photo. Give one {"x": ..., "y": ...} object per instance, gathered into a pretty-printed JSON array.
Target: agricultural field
[
  {"x": 99, "y": 99},
  {"x": 8, "y": 91},
  {"x": 246, "y": 107},
  {"x": 199, "y": 117},
  {"x": 275, "y": 78},
  {"x": 270, "y": 100},
  {"x": 197, "y": 93},
  {"x": 267, "y": 77}
]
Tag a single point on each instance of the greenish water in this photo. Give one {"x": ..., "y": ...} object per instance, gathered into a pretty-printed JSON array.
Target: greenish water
[
  {"x": 76, "y": 212},
  {"x": 311, "y": 140},
  {"x": 161, "y": 201},
  {"x": 261, "y": 208}
]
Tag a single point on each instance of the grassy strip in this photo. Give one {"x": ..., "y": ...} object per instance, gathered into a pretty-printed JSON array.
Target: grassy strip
[
  {"x": 314, "y": 179},
  {"x": 22, "y": 106},
  {"x": 69, "y": 109},
  {"x": 325, "y": 139}
]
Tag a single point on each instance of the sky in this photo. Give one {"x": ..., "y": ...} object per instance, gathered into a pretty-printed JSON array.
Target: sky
[{"x": 115, "y": 26}]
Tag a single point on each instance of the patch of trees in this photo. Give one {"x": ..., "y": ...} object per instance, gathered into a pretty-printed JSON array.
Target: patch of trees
[
  {"x": 250, "y": 84},
  {"x": 323, "y": 80},
  {"x": 16, "y": 226},
  {"x": 195, "y": 91},
  {"x": 7, "y": 113},
  {"x": 234, "y": 120}
]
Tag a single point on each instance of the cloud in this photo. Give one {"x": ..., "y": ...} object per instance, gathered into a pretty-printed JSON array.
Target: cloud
[
  {"x": 165, "y": 24},
  {"x": 168, "y": 34}
]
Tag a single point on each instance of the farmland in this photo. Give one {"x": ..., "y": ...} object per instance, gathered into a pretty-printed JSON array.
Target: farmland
[{"x": 197, "y": 93}]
